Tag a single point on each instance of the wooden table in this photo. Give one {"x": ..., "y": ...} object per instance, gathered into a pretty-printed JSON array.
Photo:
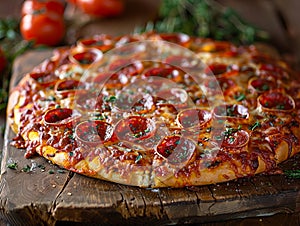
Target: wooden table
[{"x": 49, "y": 196}]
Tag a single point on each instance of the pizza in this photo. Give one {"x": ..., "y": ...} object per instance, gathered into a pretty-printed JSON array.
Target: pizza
[{"x": 158, "y": 110}]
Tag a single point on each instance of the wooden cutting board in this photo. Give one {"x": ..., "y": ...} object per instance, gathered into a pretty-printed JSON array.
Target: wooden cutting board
[{"x": 48, "y": 195}]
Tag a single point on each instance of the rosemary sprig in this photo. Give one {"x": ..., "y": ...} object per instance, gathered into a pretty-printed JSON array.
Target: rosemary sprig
[
  {"x": 204, "y": 18},
  {"x": 295, "y": 174}
]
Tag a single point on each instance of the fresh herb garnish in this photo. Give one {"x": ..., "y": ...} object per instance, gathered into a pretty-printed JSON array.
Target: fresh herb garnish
[
  {"x": 138, "y": 158},
  {"x": 229, "y": 131},
  {"x": 231, "y": 140},
  {"x": 218, "y": 137},
  {"x": 280, "y": 106},
  {"x": 204, "y": 18},
  {"x": 110, "y": 99},
  {"x": 255, "y": 125},
  {"x": 13, "y": 165},
  {"x": 61, "y": 171},
  {"x": 42, "y": 167},
  {"x": 240, "y": 97},
  {"x": 292, "y": 174},
  {"x": 26, "y": 168},
  {"x": 265, "y": 87}
]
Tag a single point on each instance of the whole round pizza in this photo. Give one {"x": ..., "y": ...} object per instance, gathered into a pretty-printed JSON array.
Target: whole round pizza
[{"x": 158, "y": 110}]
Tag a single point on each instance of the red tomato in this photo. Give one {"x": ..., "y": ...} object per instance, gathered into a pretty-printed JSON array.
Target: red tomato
[
  {"x": 2, "y": 61},
  {"x": 43, "y": 28},
  {"x": 33, "y": 6},
  {"x": 101, "y": 8}
]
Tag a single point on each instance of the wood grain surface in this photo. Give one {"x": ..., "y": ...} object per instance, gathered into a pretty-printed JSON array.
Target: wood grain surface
[{"x": 48, "y": 195}]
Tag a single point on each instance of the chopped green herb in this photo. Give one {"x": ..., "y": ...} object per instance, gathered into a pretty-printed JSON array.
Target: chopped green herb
[
  {"x": 209, "y": 129},
  {"x": 240, "y": 97},
  {"x": 280, "y": 106},
  {"x": 255, "y": 125},
  {"x": 71, "y": 136},
  {"x": 292, "y": 174},
  {"x": 110, "y": 99},
  {"x": 229, "y": 131},
  {"x": 51, "y": 171},
  {"x": 137, "y": 135},
  {"x": 61, "y": 171},
  {"x": 231, "y": 140},
  {"x": 127, "y": 149},
  {"x": 41, "y": 167},
  {"x": 138, "y": 158},
  {"x": 51, "y": 98},
  {"x": 265, "y": 87},
  {"x": 205, "y": 139},
  {"x": 26, "y": 168},
  {"x": 218, "y": 137},
  {"x": 230, "y": 111},
  {"x": 13, "y": 165}
]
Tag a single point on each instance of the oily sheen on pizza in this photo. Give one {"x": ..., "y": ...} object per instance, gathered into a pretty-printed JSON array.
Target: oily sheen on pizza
[{"x": 158, "y": 110}]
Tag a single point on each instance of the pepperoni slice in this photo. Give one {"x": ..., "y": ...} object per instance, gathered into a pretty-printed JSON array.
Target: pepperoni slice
[
  {"x": 130, "y": 50},
  {"x": 110, "y": 79},
  {"x": 179, "y": 38},
  {"x": 126, "y": 66},
  {"x": 193, "y": 117},
  {"x": 93, "y": 132},
  {"x": 214, "y": 85},
  {"x": 102, "y": 77},
  {"x": 275, "y": 140},
  {"x": 167, "y": 72},
  {"x": 184, "y": 62},
  {"x": 101, "y": 42},
  {"x": 219, "y": 69},
  {"x": 176, "y": 149},
  {"x": 231, "y": 111},
  {"x": 274, "y": 71},
  {"x": 44, "y": 79},
  {"x": 237, "y": 139},
  {"x": 261, "y": 85},
  {"x": 85, "y": 57},
  {"x": 125, "y": 39},
  {"x": 48, "y": 65},
  {"x": 216, "y": 69},
  {"x": 276, "y": 101},
  {"x": 135, "y": 128},
  {"x": 271, "y": 67},
  {"x": 65, "y": 87},
  {"x": 60, "y": 116}
]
